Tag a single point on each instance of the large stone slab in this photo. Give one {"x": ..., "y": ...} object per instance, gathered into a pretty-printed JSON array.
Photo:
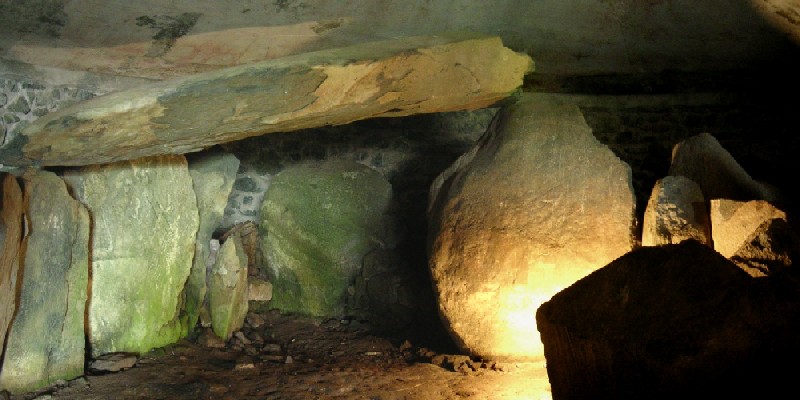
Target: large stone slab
[
  {"x": 670, "y": 322},
  {"x": 46, "y": 340},
  {"x": 213, "y": 175},
  {"x": 538, "y": 204},
  {"x": 330, "y": 87},
  {"x": 10, "y": 240},
  {"x": 144, "y": 227},
  {"x": 318, "y": 222}
]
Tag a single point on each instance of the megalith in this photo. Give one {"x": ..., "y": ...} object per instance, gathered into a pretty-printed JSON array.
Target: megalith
[
  {"x": 46, "y": 340},
  {"x": 537, "y": 204},
  {"x": 144, "y": 227},
  {"x": 318, "y": 222}
]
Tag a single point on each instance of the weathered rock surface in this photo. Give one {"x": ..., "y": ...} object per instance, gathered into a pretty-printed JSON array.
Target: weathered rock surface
[
  {"x": 144, "y": 227},
  {"x": 46, "y": 340},
  {"x": 330, "y": 87},
  {"x": 247, "y": 231},
  {"x": 258, "y": 289},
  {"x": 227, "y": 289},
  {"x": 11, "y": 211},
  {"x": 702, "y": 159},
  {"x": 755, "y": 235},
  {"x": 773, "y": 247},
  {"x": 733, "y": 222},
  {"x": 675, "y": 212},
  {"x": 212, "y": 175},
  {"x": 318, "y": 221},
  {"x": 538, "y": 204},
  {"x": 673, "y": 321}
]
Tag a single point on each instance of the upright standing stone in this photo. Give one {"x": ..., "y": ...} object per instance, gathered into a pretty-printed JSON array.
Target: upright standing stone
[
  {"x": 10, "y": 241},
  {"x": 46, "y": 341},
  {"x": 702, "y": 159},
  {"x": 318, "y": 221},
  {"x": 144, "y": 227},
  {"x": 212, "y": 178},
  {"x": 675, "y": 212},
  {"x": 538, "y": 204},
  {"x": 227, "y": 289}
]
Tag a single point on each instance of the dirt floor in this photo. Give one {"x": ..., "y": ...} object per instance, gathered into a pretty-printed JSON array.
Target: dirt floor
[{"x": 288, "y": 357}]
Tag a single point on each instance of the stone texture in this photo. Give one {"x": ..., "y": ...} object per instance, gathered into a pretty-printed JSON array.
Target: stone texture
[
  {"x": 675, "y": 212},
  {"x": 673, "y": 321},
  {"x": 258, "y": 289},
  {"x": 227, "y": 289},
  {"x": 733, "y": 222},
  {"x": 46, "y": 340},
  {"x": 702, "y": 159},
  {"x": 785, "y": 14},
  {"x": 11, "y": 231},
  {"x": 536, "y": 205},
  {"x": 774, "y": 246},
  {"x": 247, "y": 231},
  {"x": 755, "y": 234},
  {"x": 331, "y": 87},
  {"x": 318, "y": 222},
  {"x": 212, "y": 175},
  {"x": 144, "y": 227}
]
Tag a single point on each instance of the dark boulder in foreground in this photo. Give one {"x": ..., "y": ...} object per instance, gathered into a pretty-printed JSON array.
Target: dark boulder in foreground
[{"x": 674, "y": 321}]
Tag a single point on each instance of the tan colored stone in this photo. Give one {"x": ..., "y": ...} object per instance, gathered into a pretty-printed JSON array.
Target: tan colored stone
[
  {"x": 331, "y": 87},
  {"x": 259, "y": 289},
  {"x": 538, "y": 204},
  {"x": 733, "y": 222},
  {"x": 702, "y": 159},
  {"x": 784, "y": 14},
  {"x": 773, "y": 247},
  {"x": 675, "y": 212}
]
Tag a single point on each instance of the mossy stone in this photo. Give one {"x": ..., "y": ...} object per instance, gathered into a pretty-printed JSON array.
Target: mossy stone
[
  {"x": 318, "y": 221},
  {"x": 144, "y": 227}
]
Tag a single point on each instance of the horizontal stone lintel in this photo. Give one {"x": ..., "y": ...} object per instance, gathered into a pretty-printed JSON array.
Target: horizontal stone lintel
[{"x": 331, "y": 87}]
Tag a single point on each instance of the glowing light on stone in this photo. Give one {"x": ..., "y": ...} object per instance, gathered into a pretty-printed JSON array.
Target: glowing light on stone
[{"x": 517, "y": 313}]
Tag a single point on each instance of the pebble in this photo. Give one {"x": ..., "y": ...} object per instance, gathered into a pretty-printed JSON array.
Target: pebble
[
  {"x": 242, "y": 338},
  {"x": 113, "y": 362},
  {"x": 272, "y": 348}
]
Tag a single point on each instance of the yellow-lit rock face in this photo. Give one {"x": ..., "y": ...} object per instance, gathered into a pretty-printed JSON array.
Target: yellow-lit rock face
[
  {"x": 783, "y": 14},
  {"x": 537, "y": 205},
  {"x": 733, "y": 222}
]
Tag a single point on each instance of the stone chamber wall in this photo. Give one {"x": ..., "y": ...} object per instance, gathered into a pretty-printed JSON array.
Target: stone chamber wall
[
  {"x": 22, "y": 101},
  {"x": 640, "y": 118}
]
